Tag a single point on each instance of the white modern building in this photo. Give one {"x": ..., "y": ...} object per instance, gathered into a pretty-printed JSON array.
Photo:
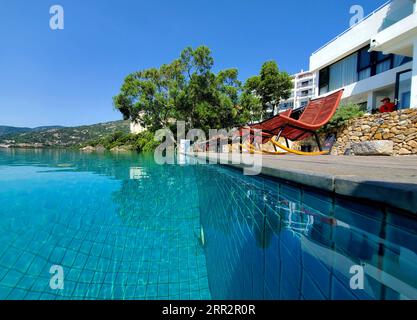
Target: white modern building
[
  {"x": 374, "y": 59},
  {"x": 136, "y": 127},
  {"x": 304, "y": 90}
]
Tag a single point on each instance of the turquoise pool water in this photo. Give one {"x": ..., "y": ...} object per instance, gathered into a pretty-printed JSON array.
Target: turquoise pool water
[{"x": 122, "y": 227}]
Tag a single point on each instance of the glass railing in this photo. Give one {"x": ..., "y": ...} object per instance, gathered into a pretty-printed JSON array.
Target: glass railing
[{"x": 398, "y": 10}]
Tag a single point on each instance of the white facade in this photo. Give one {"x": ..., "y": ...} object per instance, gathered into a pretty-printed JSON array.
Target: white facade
[
  {"x": 136, "y": 128},
  {"x": 304, "y": 89},
  {"x": 374, "y": 59}
]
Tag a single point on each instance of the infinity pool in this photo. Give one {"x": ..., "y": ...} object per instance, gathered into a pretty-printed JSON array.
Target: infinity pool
[{"x": 123, "y": 227}]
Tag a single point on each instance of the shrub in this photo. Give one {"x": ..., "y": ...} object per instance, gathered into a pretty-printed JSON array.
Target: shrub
[
  {"x": 145, "y": 142},
  {"x": 142, "y": 142},
  {"x": 343, "y": 114}
]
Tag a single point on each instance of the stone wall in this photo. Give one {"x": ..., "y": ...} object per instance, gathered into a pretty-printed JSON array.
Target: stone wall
[{"x": 399, "y": 127}]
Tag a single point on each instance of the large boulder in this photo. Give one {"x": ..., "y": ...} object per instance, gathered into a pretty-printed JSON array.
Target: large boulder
[
  {"x": 88, "y": 149},
  {"x": 373, "y": 148},
  {"x": 122, "y": 149},
  {"x": 93, "y": 149},
  {"x": 100, "y": 149}
]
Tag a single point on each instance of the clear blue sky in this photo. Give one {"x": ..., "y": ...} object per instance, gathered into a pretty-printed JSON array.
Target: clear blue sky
[{"x": 68, "y": 77}]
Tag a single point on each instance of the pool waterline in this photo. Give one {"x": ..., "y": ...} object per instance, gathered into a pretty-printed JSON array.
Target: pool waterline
[{"x": 123, "y": 227}]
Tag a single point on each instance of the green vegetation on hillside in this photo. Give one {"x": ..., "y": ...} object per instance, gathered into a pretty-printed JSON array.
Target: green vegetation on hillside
[
  {"x": 142, "y": 142},
  {"x": 5, "y": 130},
  {"x": 71, "y": 137}
]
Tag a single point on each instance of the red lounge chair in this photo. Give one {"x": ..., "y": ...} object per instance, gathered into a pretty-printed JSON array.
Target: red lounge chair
[
  {"x": 317, "y": 114},
  {"x": 267, "y": 129}
]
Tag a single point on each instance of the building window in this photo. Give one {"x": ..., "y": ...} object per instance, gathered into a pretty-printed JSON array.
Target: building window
[
  {"x": 400, "y": 60},
  {"x": 373, "y": 63},
  {"x": 344, "y": 72},
  {"x": 356, "y": 67},
  {"x": 383, "y": 62},
  {"x": 364, "y": 63},
  {"x": 324, "y": 81}
]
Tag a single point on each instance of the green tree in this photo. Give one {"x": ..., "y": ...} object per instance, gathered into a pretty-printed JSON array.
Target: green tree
[
  {"x": 148, "y": 96},
  {"x": 271, "y": 85},
  {"x": 186, "y": 89},
  {"x": 210, "y": 100}
]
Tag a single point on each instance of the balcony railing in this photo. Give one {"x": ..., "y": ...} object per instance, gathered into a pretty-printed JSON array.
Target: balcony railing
[
  {"x": 399, "y": 10},
  {"x": 300, "y": 85},
  {"x": 346, "y": 31}
]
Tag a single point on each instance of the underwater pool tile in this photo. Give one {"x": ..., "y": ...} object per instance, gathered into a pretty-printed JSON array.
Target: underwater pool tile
[
  {"x": 118, "y": 246},
  {"x": 5, "y": 291},
  {"x": 73, "y": 274},
  {"x": 163, "y": 289},
  {"x": 32, "y": 296},
  {"x": 131, "y": 278},
  {"x": 289, "y": 291},
  {"x": 396, "y": 234},
  {"x": 152, "y": 290},
  {"x": 129, "y": 293},
  {"x": 57, "y": 255},
  {"x": 10, "y": 256},
  {"x": 86, "y": 276},
  {"x": 17, "y": 294},
  {"x": 91, "y": 263},
  {"x": 23, "y": 262},
  {"x": 80, "y": 261},
  {"x": 98, "y": 277},
  {"x": 69, "y": 257},
  {"x": 12, "y": 278},
  {"x": 290, "y": 192},
  {"x": 185, "y": 296},
  {"x": 318, "y": 201},
  {"x": 340, "y": 292},
  {"x": 318, "y": 273},
  {"x": 310, "y": 289},
  {"x": 119, "y": 292},
  {"x": 140, "y": 292},
  {"x": 103, "y": 264},
  {"x": 106, "y": 291},
  {"x": 27, "y": 281}
]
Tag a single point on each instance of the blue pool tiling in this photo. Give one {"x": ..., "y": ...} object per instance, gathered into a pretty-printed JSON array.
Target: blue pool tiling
[{"x": 123, "y": 227}]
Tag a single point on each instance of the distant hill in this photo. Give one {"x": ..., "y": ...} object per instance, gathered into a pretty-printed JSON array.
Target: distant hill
[
  {"x": 10, "y": 130},
  {"x": 5, "y": 130},
  {"x": 47, "y": 127},
  {"x": 61, "y": 137}
]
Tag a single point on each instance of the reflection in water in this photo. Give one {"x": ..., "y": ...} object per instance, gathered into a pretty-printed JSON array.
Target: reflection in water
[
  {"x": 127, "y": 228},
  {"x": 138, "y": 173},
  {"x": 121, "y": 226},
  {"x": 266, "y": 240}
]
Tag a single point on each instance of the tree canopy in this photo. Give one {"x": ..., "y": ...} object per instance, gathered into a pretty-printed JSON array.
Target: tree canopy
[
  {"x": 187, "y": 89},
  {"x": 270, "y": 86}
]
